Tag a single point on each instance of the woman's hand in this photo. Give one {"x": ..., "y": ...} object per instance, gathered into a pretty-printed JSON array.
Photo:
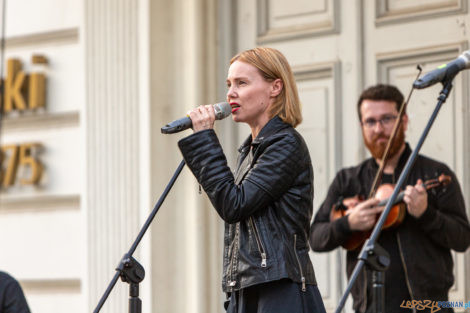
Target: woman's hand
[{"x": 202, "y": 117}]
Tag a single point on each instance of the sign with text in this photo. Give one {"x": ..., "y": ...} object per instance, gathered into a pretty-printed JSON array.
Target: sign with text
[
  {"x": 19, "y": 163},
  {"x": 23, "y": 91},
  {"x": 24, "y": 157}
]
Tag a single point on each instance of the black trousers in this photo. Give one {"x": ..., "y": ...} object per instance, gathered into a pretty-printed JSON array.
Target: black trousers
[{"x": 282, "y": 296}]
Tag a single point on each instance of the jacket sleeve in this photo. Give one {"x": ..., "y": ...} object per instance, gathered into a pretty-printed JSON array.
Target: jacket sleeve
[
  {"x": 271, "y": 175},
  {"x": 326, "y": 235},
  {"x": 14, "y": 300},
  {"x": 445, "y": 220}
]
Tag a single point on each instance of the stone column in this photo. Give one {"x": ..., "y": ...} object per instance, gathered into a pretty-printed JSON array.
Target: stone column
[
  {"x": 187, "y": 234},
  {"x": 111, "y": 126}
]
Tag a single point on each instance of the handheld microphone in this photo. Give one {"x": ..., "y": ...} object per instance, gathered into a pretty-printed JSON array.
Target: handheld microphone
[
  {"x": 222, "y": 110},
  {"x": 444, "y": 72}
]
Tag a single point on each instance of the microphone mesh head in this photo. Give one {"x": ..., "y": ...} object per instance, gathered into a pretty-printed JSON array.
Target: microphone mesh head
[
  {"x": 222, "y": 110},
  {"x": 466, "y": 57}
]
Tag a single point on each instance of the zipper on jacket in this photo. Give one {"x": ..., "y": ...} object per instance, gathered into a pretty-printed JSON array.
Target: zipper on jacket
[
  {"x": 402, "y": 257},
  {"x": 259, "y": 243},
  {"x": 302, "y": 277},
  {"x": 231, "y": 267}
]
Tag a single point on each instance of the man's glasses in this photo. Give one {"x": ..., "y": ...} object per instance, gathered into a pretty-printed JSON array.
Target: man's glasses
[{"x": 385, "y": 121}]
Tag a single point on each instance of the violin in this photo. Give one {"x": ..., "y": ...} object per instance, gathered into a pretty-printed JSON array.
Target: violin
[{"x": 395, "y": 217}]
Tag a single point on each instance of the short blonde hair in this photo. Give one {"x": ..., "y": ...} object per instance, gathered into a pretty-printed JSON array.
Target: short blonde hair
[{"x": 272, "y": 65}]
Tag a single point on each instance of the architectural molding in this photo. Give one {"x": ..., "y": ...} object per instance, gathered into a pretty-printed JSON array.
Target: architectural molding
[
  {"x": 65, "y": 285},
  {"x": 315, "y": 71},
  {"x": 39, "y": 202},
  {"x": 322, "y": 26},
  {"x": 386, "y": 61},
  {"x": 385, "y": 15},
  {"x": 320, "y": 71},
  {"x": 40, "y": 120},
  {"x": 68, "y": 35}
]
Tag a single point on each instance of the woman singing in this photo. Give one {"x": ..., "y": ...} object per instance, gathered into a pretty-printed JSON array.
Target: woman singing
[{"x": 267, "y": 203}]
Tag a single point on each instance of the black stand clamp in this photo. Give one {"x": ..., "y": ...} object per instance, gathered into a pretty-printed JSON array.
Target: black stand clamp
[
  {"x": 132, "y": 272},
  {"x": 377, "y": 260}
]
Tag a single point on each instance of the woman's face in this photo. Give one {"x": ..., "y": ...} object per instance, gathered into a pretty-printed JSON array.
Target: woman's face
[{"x": 250, "y": 95}]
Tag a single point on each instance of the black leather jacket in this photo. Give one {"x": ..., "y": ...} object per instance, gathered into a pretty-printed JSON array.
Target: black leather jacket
[
  {"x": 267, "y": 205},
  {"x": 424, "y": 243}
]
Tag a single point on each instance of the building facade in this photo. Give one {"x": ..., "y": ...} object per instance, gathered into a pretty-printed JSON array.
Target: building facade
[{"x": 89, "y": 84}]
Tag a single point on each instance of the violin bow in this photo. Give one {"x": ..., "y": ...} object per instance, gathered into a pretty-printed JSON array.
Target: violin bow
[{"x": 385, "y": 156}]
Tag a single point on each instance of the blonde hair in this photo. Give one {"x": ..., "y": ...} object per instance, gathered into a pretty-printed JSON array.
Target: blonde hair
[{"x": 272, "y": 65}]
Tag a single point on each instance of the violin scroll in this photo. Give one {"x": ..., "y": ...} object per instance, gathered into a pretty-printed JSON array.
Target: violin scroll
[{"x": 442, "y": 180}]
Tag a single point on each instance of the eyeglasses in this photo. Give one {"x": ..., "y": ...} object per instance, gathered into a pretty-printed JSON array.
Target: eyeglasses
[{"x": 385, "y": 121}]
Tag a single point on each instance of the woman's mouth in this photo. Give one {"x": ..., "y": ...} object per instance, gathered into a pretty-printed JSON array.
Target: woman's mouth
[{"x": 235, "y": 107}]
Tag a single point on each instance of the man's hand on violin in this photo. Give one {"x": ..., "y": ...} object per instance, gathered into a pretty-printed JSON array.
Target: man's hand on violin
[
  {"x": 416, "y": 199},
  {"x": 364, "y": 215}
]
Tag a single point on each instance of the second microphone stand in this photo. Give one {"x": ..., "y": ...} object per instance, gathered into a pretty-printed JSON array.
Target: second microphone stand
[{"x": 370, "y": 254}]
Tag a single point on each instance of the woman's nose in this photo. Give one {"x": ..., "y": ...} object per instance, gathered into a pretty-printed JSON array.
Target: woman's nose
[{"x": 230, "y": 93}]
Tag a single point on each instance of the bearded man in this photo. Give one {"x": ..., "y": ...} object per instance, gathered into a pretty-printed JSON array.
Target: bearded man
[{"x": 421, "y": 266}]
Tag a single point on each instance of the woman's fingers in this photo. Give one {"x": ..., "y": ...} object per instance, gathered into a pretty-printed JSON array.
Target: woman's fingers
[{"x": 202, "y": 117}]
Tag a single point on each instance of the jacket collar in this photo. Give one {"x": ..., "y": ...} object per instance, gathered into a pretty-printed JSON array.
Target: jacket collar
[{"x": 273, "y": 126}]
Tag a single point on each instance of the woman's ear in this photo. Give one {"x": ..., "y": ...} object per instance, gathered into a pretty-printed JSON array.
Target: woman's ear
[{"x": 276, "y": 87}]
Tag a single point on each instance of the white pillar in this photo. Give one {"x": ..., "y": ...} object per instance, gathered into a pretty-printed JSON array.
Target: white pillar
[
  {"x": 186, "y": 236},
  {"x": 111, "y": 123}
]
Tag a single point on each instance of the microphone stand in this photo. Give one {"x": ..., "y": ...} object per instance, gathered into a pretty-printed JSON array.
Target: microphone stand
[
  {"x": 129, "y": 269},
  {"x": 374, "y": 256}
]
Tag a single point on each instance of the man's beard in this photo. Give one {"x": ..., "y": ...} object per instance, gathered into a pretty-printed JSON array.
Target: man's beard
[{"x": 377, "y": 149}]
